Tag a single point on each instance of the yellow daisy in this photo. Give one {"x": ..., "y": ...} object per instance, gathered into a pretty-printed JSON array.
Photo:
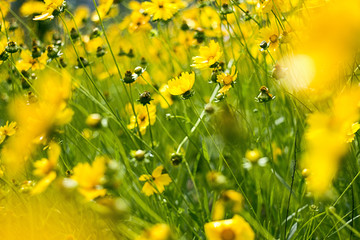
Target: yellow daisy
[
  {"x": 7, "y": 130},
  {"x": 208, "y": 56},
  {"x": 50, "y": 7},
  {"x": 155, "y": 182},
  {"x": 160, "y": 9},
  {"x": 231, "y": 229},
  {"x": 227, "y": 80},
  {"x": 142, "y": 117},
  {"x": 90, "y": 177},
  {"x": 182, "y": 85}
]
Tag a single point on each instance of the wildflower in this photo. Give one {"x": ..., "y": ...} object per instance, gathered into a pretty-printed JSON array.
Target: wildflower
[
  {"x": 12, "y": 47},
  {"x": 160, "y": 9},
  {"x": 103, "y": 10},
  {"x": 51, "y": 8},
  {"x": 139, "y": 155},
  {"x": 129, "y": 77},
  {"x": 208, "y": 56},
  {"x": 235, "y": 228},
  {"x": 90, "y": 177},
  {"x": 229, "y": 199},
  {"x": 94, "y": 120},
  {"x": 176, "y": 158},
  {"x": 182, "y": 85},
  {"x": 270, "y": 36},
  {"x": 351, "y": 133},
  {"x": 82, "y": 63},
  {"x": 7, "y": 130},
  {"x": 159, "y": 231},
  {"x": 165, "y": 98},
  {"x": 37, "y": 119},
  {"x": 145, "y": 98},
  {"x": 264, "y": 95},
  {"x": 45, "y": 168},
  {"x": 209, "y": 108},
  {"x": 31, "y": 7},
  {"x": 53, "y": 52},
  {"x": 142, "y": 117},
  {"x": 216, "y": 179},
  {"x": 74, "y": 35},
  {"x": 227, "y": 80},
  {"x": 155, "y": 182},
  {"x": 326, "y": 139},
  {"x": 252, "y": 155},
  {"x": 138, "y": 22},
  {"x": 27, "y": 61}
]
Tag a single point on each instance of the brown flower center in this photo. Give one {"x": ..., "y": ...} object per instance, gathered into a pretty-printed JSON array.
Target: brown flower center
[
  {"x": 227, "y": 234},
  {"x": 273, "y": 38}
]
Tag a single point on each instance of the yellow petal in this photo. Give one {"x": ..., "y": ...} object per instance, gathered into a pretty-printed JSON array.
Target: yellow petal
[{"x": 157, "y": 172}]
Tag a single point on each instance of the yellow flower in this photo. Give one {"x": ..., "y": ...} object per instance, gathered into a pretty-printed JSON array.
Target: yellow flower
[
  {"x": 159, "y": 231},
  {"x": 227, "y": 80},
  {"x": 50, "y": 7},
  {"x": 326, "y": 140},
  {"x": 104, "y": 9},
  {"x": 142, "y": 117},
  {"x": 186, "y": 39},
  {"x": 351, "y": 134},
  {"x": 4, "y": 7},
  {"x": 155, "y": 182},
  {"x": 45, "y": 165},
  {"x": 207, "y": 55},
  {"x": 138, "y": 22},
  {"x": 32, "y": 7},
  {"x": 28, "y": 62},
  {"x": 45, "y": 168},
  {"x": 253, "y": 155},
  {"x": 228, "y": 199},
  {"x": 164, "y": 90},
  {"x": 90, "y": 178},
  {"x": 231, "y": 229},
  {"x": 44, "y": 183},
  {"x": 182, "y": 85},
  {"x": 81, "y": 14},
  {"x": 160, "y": 9},
  {"x": 37, "y": 117},
  {"x": 7, "y": 130}
]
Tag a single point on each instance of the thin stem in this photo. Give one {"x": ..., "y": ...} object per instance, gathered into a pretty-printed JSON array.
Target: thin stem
[{"x": 151, "y": 136}]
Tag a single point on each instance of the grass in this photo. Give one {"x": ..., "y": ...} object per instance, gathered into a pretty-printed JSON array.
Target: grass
[{"x": 209, "y": 131}]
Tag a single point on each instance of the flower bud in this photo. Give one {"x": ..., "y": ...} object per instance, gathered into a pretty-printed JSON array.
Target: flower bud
[
  {"x": 13, "y": 26},
  {"x": 74, "y": 34},
  {"x": 131, "y": 53},
  {"x": 209, "y": 108},
  {"x": 176, "y": 159},
  {"x": 138, "y": 70},
  {"x": 82, "y": 62},
  {"x": 35, "y": 52},
  {"x": 139, "y": 155},
  {"x": 184, "y": 26},
  {"x": 264, "y": 45},
  {"x": 145, "y": 98},
  {"x": 95, "y": 33},
  {"x": 53, "y": 52},
  {"x": 4, "y": 56},
  {"x": 100, "y": 51},
  {"x": 129, "y": 78},
  {"x": 121, "y": 52},
  {"x": 199, "y": 36},
  {"x": 94, "y": 120},
  {"x": 12, "y": 47}
]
